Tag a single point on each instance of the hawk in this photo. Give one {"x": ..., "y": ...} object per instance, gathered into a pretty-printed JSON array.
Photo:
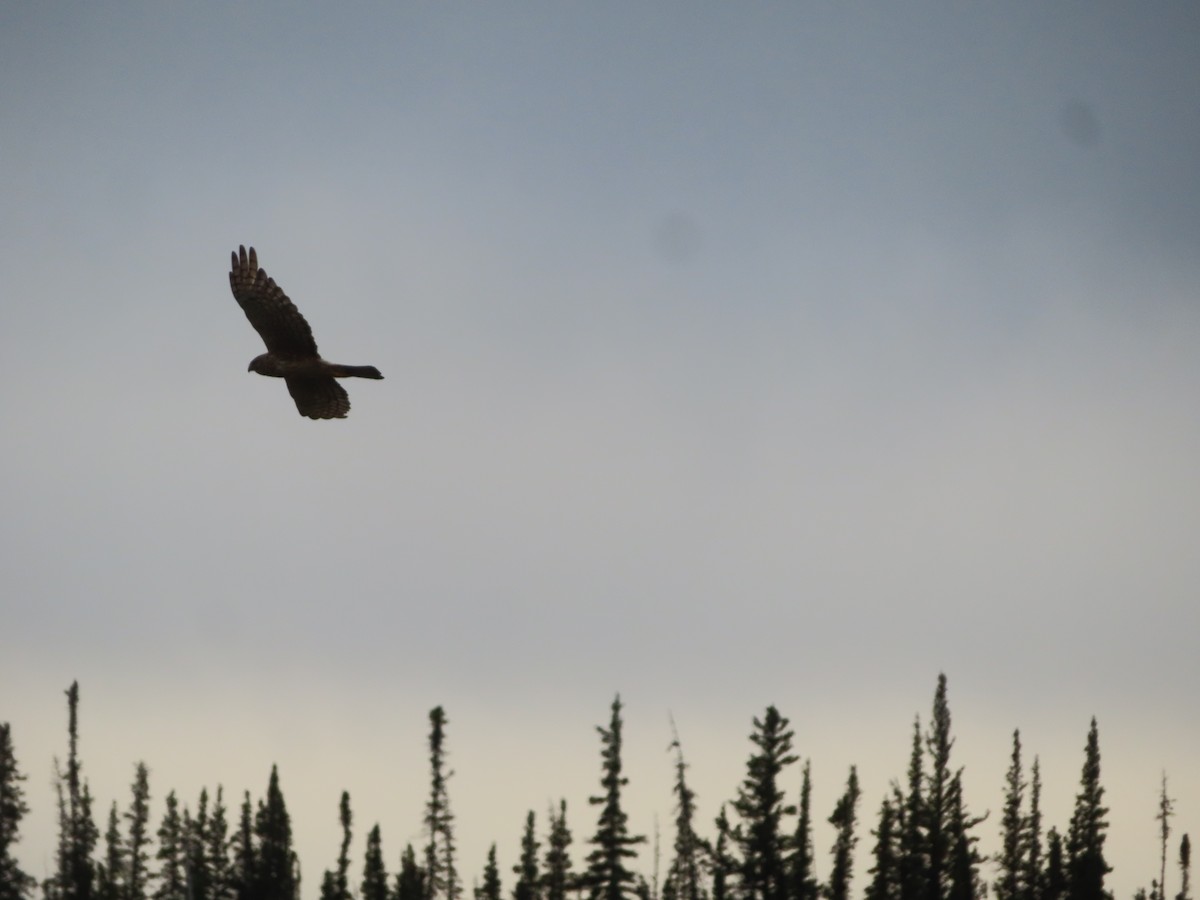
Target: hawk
[{"x": 291, "y": 351}]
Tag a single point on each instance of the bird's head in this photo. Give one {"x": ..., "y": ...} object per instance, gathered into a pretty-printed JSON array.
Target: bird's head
[{"x": 259, "y": 365}]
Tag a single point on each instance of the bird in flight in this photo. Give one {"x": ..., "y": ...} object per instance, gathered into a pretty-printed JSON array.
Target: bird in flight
[{"x": 291, "y": 351}]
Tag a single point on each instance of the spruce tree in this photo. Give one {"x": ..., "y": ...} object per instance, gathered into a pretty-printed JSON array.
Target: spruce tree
[
  {"x": 440, "y": 873},
  {"x": 843, "y": 820},
  {"x": 275, "y": 867},
  {"x": 138, "y": 818},
  {"x": 490, "y": 889},
  {"x": 110, "y": 875},
  {"x": 336, "y": 884},
  {"x": 607, "y": 877},
  {"x": 685, "y": 877},
  {"x": 912, "y": 816},
  {"x": 244, "y": 874},
  {"x": 1012, "y": 861},
  {"x": 963, "y": 880},
  {"x": 1032, "y": 878},
  {"x": 198, "y": 874},
  {"x": 1166, "y": 809},
  {"x": 557, "y": 877},
  {"x": 411, "y": 880},
  {"x": 937, "y": 807},
  {"x": 171, "y": 878},
  {"x": 724, "y": 863},
  {"x": 760, "y": 834},
  {"x": 1086, "y": 865},
  {"x": 216, "y": 850},
  {"x": 1054, "y": 876},
  {"x": 75, "y": 879},
  {"x": 885, "y": 881},
  {"x": 1185, "y": 869},
  {"x": 528, "y": 886},
  {"x": 804, "y": 880},
  {"x": 15, "y": 884},
  {"x": 374, "y": 880}
]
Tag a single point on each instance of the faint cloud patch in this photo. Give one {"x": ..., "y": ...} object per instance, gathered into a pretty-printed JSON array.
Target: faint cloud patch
[
  {"x": 1079, "y": 123},
  {"x": 677, "y": 238}
]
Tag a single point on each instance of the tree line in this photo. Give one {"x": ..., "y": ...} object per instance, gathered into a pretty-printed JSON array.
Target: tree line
[{"x": 923, "y": 844}]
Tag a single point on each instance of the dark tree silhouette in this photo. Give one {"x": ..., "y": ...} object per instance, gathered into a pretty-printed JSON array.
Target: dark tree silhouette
[
  {"x": 1086, "y": 865},
  {"x": 843, "y": 820},
  {"x": 760, "y": 834},
  {"x": 171, "y": 878},
  {"x": 804, "y": 876},
  {"x": 411, "y": 882},
  {"x": 724, "y": 863},
  {"x": 137, "y": 844},
  {"x": 110, "y": 874},
  {"x": 1033, "y": 878},
  {"x": 685, "y": 877},
  {"x": 885, "y": 881},
  {"x": 374, "y": 880},
  {"x": 529, "y": 884},
  {"x": 1014, "y": 843},
  {"x": 1185, "y": 869},
  {"x": 440, "y": 873},
  {"x": 244, "y": 875},
  {"x": 275, "y": 867},
  {"x": 607, "y": 877},
  {"x": 14, "y": 882},
  {"x": 557, "y": 877},
  {"x": 490, "y": 889}
]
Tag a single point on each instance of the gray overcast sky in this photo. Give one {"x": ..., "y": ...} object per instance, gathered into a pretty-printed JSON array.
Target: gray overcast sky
[{"x": 735, "y": 354}]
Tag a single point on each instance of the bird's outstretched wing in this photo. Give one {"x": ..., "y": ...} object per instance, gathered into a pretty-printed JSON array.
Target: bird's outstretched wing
[
  {"x": 318, "y": 396},
  {"x": 269, "y": 310}
]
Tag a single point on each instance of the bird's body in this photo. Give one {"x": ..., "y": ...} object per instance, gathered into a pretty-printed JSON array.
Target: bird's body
[{"x": 291, "y": 350}]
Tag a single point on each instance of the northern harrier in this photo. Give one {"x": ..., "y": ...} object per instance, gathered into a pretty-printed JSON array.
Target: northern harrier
[{"x": 291, "y": 351}]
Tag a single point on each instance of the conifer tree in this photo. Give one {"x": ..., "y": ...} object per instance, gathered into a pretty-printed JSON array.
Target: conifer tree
[
  {"x": 911, "y": 823},
  {"x": 198, "y": 876},
  {"x": 528, "y": 886},
  {"x": 1054, "y": 877},
  {"x": 411, "y": 881},
  {"x": 336, "y": 884},
  {"x": 216, "y": 850},
  {"x": 490, "y": 889},
  {"x": 75, "y": 879},
  {"x": 110, "y": 875},
  {"x": 1165, "y": 811},
  {"x": 440, "y": 873},
  {"x": 171, "y": 878},
  {"x": 760, "y": 834},
  {"x": 937, "y": 808},
  {"x": 804, "y": 881},
  {"x": 1012, "y": 861},
  {"x": 1032, "y": 879},
  {"x": 843, "y": 820},
  {"x": 724, "y": 864},
  {"x": 1185, "y": 869},
  {"x": 275, "y": 867},
  {"x": 685, "y": 877},
  {"x": 15, "y": 884},
  {"x": 1086, "y": 865},
  {"x": 557, "y": 878},
  {"x": 138, "y": 840},
  {"x": 607, "y": 877},
  {"x": 244, "y": 874},
  {"x": 963, "y": 881},
  {"x": 885, "y": 881},
  {"x": 374, "y": 880}
]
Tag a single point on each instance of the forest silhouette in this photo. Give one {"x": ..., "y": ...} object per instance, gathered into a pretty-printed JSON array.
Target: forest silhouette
[{"x": 923, "y": 840}]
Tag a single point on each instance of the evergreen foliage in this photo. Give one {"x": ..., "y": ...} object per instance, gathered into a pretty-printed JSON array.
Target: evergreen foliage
[
  {"x": 15, "y": 884},
  {"x": 557, "y": 877},
  {"x": 804, "y": 879},
  {"x": 137, "y": 852},
  {"x": 411, "y": 882},
  {"x": 441, "y": 877},
  {"x": 843, "y": 820},
  {"x": 760, "y": 835},
  {"x": 607, "y": 877},
  {"x": 1010, "y": 885},
  {"x": 885, "y": 881},
  {"x": 275, "y": 875},
  {"x": 170, "y": 856},
  {"x": 374, "y": 881},
  {"x": 1185, "y": 869},
  {"x": 685, "y": 877},
  {"x": 490, "y": 889},
  {"x": 528, "y": 886},
  {"x": 1086, "y": 865}
]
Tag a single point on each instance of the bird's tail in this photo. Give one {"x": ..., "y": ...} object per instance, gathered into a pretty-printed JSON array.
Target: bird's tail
[{"x": 341, "y": 371}]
